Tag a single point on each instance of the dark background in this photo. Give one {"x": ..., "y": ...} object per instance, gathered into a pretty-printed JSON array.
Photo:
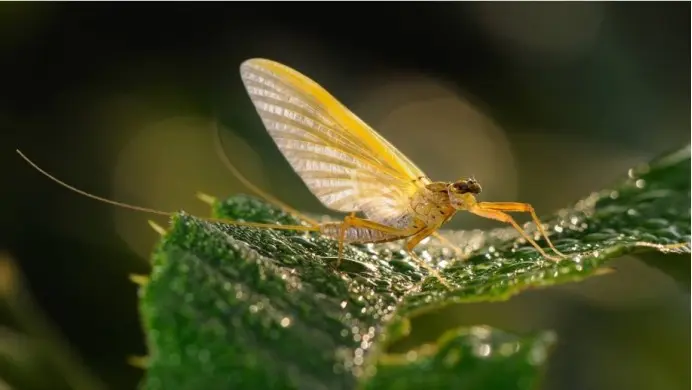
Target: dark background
[{"x": 543, "y": 103}]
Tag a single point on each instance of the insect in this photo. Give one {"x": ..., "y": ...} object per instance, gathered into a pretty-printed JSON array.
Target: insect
[{"x": 352, "y": 169}]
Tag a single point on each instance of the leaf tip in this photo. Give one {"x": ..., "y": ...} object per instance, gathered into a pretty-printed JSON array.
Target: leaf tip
[
  {"x": 157, "y": 228},
  {"x": 138, "y": 361},
  {"x": 206, "y": 198},
  {"x": 604, "y": 271},
  {"x": 139, "y": 280}
]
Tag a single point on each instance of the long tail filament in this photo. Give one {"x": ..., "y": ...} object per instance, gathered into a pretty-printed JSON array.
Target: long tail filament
[{"x": 312, "y": 228}]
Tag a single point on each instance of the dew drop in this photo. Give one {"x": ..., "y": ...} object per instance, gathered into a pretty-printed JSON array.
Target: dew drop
[
  {"x": 640, "y": 183},
  {"x": 480, "y": 332},
  {"x": 358, "y": 360},
  {"x": 285, "y": 322},
  {"x": 483, "y": 350},
  {"x": 537, "y": 356}
]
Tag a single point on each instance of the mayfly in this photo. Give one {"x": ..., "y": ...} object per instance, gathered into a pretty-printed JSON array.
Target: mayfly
[{"x": 352, "y": 169}]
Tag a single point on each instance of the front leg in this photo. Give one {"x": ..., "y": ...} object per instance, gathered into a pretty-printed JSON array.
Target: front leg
[
  {"x": 521, "y": 208},
  {"x": 504, "y": 217}
]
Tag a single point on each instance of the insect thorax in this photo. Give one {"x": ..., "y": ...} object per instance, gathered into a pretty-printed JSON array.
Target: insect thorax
[{"x": 432, "y": 204}]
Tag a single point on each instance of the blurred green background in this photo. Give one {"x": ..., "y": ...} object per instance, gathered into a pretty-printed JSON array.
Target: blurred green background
[{"x": 541, "y": 102}]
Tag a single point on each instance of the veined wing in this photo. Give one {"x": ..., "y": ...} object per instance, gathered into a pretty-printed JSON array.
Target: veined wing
[{"x": 344, "y": 162}]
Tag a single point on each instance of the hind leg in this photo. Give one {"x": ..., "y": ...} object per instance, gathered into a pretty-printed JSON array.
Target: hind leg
[{"x": 355, "y": 222}]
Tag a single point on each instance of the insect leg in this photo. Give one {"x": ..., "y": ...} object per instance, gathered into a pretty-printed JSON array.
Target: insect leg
[
  {"x": 218, "y": 145},
  {"x": 342, "y": 236},
  {"x": 412, "y": 243},
  {"x": 523, "y": 208},
  {"x": 353, "y": 221},
  {"x": 360, "y": 222},
  {"x": 418, "y": 236},
  {"x": 504, "y": 217},
  {"x": 445, "y": 241}
]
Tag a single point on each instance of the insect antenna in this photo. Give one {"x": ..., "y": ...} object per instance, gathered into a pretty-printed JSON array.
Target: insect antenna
[
  {"x": 221, "y": 151},
  {"x": 160, "y": 212}
]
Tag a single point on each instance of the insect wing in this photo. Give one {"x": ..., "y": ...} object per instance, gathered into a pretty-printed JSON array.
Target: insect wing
[{"x": 344, "y": 162}]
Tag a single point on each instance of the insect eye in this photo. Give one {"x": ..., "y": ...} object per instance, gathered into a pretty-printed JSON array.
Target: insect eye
[{"x": 463, "y": 187}]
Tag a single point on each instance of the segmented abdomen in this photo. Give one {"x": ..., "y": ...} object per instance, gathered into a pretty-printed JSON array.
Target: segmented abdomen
[{"x": 357, "y": 234}]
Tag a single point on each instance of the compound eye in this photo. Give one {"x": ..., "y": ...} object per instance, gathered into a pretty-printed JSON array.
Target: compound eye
[{"x": 463, "y": 187}]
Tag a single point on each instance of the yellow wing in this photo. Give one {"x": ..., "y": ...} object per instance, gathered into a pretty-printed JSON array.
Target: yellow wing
[{"x": 344, "y": 162}]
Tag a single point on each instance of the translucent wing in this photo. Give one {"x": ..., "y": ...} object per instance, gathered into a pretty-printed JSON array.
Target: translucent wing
[{"x": 344, "y": 162}]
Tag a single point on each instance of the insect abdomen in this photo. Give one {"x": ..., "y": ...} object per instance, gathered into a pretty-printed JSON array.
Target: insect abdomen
[{"x": 356, "y": 234}]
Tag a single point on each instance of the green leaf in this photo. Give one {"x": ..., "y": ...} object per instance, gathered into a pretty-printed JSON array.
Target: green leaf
[
  {"x": 466, "y": 358},
  {"x": 232, "y": 307}
]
